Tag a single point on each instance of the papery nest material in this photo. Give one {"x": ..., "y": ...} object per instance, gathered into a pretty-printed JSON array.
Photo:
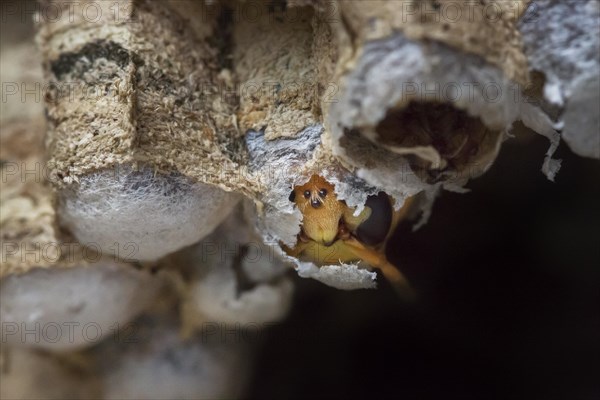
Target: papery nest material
[{"x": 257, "y": 105}]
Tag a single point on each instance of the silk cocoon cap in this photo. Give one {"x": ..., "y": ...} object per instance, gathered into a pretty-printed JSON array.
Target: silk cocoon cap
[{"x": 139, "y": 215}]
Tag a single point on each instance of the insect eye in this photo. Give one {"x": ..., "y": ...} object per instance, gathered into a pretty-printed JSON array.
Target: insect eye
[
  {"x": 292, "y": 196},
  {"x": 307, "y": 194},
  {"x": 323, "y": 192}
]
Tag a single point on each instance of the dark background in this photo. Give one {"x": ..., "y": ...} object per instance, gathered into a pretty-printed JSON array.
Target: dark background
[{"x": 509, "y": 282}]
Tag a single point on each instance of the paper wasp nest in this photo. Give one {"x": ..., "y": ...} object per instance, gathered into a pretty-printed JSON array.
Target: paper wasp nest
[
  {"x": 175, "y": 131},
  {"x": 195, "y": 104},
  {"x": 560, "y": 45}
]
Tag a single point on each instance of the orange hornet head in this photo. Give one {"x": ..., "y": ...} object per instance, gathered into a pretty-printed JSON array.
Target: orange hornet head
[{"x": 321, "y": 210}]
